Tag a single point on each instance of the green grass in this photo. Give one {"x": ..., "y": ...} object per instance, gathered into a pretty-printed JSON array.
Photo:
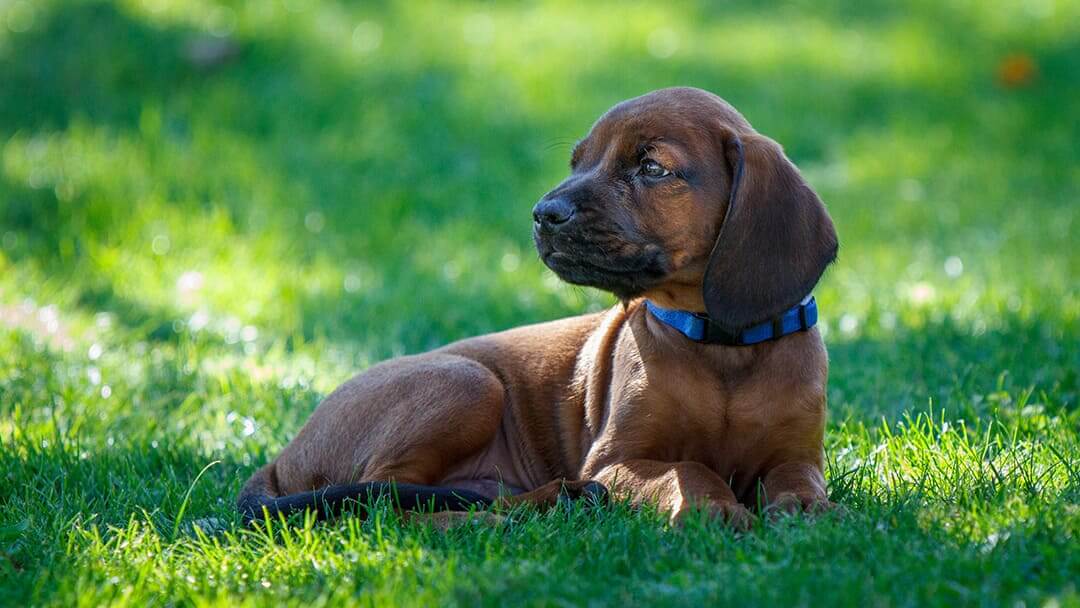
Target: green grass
[{"x": 192, "y": 256}]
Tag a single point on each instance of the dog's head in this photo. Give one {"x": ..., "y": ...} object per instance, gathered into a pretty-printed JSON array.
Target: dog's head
[{"x": 675, "y": 197}]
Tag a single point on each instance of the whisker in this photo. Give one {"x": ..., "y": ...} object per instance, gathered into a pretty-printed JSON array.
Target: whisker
[{"x": 561, "y": 142}]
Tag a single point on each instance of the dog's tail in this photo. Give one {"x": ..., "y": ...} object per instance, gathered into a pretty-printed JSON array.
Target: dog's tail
[{"x": 259, "y": 498}]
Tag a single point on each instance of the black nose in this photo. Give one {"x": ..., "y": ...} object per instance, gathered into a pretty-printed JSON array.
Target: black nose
[{"x": 551, "y": 212}]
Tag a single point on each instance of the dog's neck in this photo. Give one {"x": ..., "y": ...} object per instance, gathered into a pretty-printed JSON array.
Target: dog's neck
[
  {"x": 685, "y": 294},
  {"x": 699, "y": 328}
]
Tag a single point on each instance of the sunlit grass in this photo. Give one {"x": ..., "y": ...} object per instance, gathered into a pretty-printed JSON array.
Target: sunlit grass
[{"x": 193, "y": 254}]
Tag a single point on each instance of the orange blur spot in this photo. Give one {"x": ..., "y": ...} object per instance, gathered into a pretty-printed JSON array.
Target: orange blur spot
[{"x": 1016, "y": 70}]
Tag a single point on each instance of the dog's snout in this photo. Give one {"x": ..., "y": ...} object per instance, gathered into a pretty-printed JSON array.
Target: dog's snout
[{"x": 552, "y": 212}]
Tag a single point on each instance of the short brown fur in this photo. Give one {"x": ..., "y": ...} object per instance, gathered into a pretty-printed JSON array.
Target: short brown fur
[{"x": 619, "y": 397}]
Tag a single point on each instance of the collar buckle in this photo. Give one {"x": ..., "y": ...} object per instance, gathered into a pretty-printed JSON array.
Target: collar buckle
[{"x": 715, "y": 335}]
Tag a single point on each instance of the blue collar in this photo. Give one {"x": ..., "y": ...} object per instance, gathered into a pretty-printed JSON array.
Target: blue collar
[{"x": 699, "y": 328}]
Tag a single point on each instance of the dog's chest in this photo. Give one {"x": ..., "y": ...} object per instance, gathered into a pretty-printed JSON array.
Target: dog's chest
[
  {"x": 723, "y": 432},
  {"x": 686, "y": 415}
]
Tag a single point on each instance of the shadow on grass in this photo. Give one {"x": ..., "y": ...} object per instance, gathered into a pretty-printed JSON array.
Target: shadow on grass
[
  {"x": 384, "y": 201},
  {"x": 390, "y": 156}
]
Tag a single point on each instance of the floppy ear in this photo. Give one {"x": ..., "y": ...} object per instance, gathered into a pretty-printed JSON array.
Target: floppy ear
[{"x": 775, "y": 241}]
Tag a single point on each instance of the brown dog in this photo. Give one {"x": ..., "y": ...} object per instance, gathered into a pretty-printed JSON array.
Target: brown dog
[{"x": 675, "y": 200}]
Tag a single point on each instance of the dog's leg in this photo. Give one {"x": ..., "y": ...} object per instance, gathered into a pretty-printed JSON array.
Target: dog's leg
[
  {"x": 405, "y": 421},
  {"x": 677, "y": 488},
  {"x": 551, "y": 493},
  {"x": 795, "y": 486}
]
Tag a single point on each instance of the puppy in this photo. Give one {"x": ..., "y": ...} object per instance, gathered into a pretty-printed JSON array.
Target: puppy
[{"x": 704, "y": 388}]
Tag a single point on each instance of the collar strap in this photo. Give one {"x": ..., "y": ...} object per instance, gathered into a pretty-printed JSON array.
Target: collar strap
[{"x": 699, "y": 328}]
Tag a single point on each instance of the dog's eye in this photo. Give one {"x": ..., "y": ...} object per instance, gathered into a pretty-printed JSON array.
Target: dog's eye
[{"x": 651, "y": 168}]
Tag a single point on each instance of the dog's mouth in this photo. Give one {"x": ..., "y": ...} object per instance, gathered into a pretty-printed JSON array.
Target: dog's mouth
[{"x": 626, "y": 276}]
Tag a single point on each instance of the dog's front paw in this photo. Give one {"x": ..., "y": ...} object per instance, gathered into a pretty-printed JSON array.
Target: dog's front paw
[
  {"x": 733, "y": 514},
  {"x": 594, "y": 492},
  {"x": 791, "y": 503}
]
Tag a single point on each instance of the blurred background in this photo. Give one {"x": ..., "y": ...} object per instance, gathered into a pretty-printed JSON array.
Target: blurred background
[{"x": 212, "y": 212}]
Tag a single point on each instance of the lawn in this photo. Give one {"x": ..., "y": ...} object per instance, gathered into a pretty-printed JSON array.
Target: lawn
[{"x": 212, "y": 213}]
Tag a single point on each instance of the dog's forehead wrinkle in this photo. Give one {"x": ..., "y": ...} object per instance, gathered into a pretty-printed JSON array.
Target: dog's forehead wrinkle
[{"x": 691, "y": 139}]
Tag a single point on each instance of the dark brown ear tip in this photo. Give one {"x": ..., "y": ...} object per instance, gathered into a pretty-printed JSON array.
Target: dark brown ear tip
[
  {"x": 830, "y": 253},
  {"x": 736, "y": 306}
]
